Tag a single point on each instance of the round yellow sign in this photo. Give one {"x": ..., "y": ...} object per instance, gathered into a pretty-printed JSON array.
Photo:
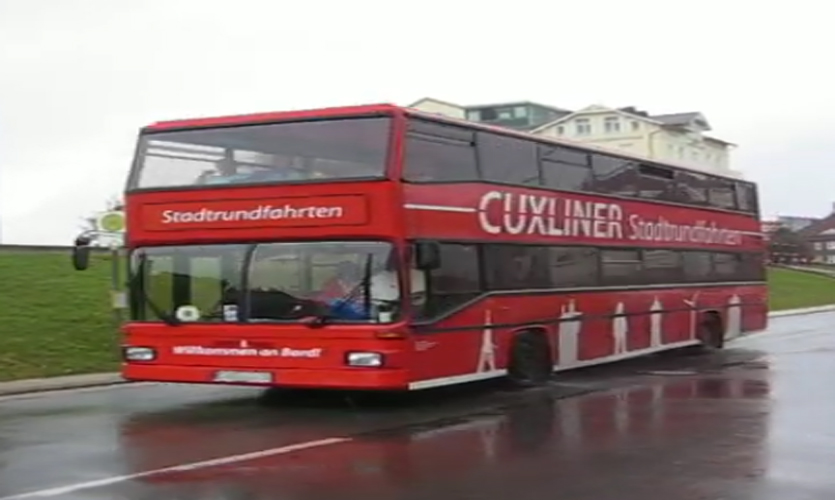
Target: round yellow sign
[{"x": 112, "y": 222}]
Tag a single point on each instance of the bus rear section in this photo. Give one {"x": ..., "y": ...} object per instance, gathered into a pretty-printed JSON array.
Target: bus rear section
[{"x": 268, "y": 251}]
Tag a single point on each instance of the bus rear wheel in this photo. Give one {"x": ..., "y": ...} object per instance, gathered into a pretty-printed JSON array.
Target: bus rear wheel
[
  {"x": 530, "y": 359},
  {"x": 711, "y": 332}
]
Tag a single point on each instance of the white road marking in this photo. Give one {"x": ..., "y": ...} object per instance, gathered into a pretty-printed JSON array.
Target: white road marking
[{"x": 108, "y": 481}]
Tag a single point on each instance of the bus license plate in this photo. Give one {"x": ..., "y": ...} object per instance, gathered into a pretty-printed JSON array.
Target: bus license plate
[{"x": 244, "y": 377}]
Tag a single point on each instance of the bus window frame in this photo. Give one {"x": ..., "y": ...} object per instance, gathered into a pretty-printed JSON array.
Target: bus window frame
[
  {"x": 427, "y": 325},
  {"x": 390, "y": 172},
  {"x": 544, "y": 141}
]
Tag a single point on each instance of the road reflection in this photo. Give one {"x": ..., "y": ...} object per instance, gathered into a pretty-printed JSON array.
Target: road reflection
[{"x": 677, "y": 438}]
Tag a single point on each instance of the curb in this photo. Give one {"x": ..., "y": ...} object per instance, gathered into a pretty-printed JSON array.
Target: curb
[
  {"x": 36, "y": 385},
  {"x": 809, "y": 270},
  {"x": 798, "y": 312}
]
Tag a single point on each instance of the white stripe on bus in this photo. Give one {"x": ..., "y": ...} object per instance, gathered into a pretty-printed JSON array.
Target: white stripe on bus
[{"x": 441, "y": 208}]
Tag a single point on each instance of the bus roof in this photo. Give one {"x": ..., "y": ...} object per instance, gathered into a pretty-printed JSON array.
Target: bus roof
[
  {"x": 386, "y": 108},
  {"x": 275, "y": 116}
]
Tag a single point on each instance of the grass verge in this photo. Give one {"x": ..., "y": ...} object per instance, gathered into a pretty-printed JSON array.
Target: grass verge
[
  {"x": 54, "y": 320},
  {"x": 790, "y": 289}
]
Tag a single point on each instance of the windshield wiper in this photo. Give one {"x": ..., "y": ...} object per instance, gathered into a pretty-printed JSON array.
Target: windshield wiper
[
  {"x": 133, "y": 284},
  {"x": 364, "y": 285}
]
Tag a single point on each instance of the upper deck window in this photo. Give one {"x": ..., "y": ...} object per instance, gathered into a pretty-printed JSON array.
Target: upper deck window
[
  {"x": 263, "y": 154},
  {"x": 439, "y": 153}
]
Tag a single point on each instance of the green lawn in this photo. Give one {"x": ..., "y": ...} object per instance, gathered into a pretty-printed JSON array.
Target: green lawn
[
  {"x": 794, "y": 289},
  {"x": 56, "y": 321}
]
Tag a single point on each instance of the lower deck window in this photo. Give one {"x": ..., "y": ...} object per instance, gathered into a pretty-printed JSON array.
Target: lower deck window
[{"x": 469, "y": 270}]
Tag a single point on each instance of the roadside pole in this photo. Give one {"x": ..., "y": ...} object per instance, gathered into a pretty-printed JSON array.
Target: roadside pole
[
  {"x": 117, "y": 293},
  {"x": 111, "y": 226}
]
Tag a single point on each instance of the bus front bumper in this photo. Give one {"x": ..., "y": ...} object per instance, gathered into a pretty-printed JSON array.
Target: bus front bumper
[{"x": 346, "y": 378}]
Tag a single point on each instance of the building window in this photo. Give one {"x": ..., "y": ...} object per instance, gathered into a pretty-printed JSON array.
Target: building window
[
  {"x": 506, "y": 114},
  {"x": 560, "y": 130},
  {"x": 488, "y": 114},
  {"x": 583, "y": 126},
  {"x": 636, "y": 126},
  {"x": 681, "y": 152},
  {"x": 520, "y": 112},
  {"x": 611, "y": 124},
  {"x": 474, "y": 115},
  {"x": 830, "y": 245},
  {"x": 819, "y": 245},
  {"x": 695, "y": 155}
]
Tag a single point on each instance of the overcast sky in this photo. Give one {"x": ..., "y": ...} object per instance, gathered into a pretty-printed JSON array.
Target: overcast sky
[{"x": 79, "y": 77}]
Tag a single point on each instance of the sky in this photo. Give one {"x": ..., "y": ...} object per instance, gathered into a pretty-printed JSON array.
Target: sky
[{"x": 78, "y": 78}]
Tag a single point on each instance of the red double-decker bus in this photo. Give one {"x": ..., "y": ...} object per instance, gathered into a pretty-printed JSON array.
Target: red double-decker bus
[{"x": 378, "y": 247}]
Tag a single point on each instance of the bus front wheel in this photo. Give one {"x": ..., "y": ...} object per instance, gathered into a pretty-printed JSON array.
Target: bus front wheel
[{"x": 530, "y": 359}]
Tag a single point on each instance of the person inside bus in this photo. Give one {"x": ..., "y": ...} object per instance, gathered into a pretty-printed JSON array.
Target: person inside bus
[
  {"x": 227, "y": 171},
  {"x": 384, "y": 289},
  {"x": 346, "y": 277},
  {"x": 340, "y": 292}
]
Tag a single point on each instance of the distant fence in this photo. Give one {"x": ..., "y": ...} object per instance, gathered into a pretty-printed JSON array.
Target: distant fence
[{"x": 43, "y": 249}]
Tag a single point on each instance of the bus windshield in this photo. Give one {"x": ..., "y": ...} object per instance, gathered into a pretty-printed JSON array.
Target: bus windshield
[
  {"x": 251, "y": 154},
  {"x": 280, "y": 282}
]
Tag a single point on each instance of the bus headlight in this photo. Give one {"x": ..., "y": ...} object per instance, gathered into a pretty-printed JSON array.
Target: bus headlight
[
  {"x": 371, "y": 359},
  {"x": 139, "y": 354}
]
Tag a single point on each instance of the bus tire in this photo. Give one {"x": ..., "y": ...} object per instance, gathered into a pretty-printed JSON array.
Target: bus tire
[
  {"x": 711, "y": 332},
  {"x": 530, "y": 361}
]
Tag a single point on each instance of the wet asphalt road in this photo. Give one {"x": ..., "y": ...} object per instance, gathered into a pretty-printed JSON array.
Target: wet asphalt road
[{"x": 756, "y": 421}]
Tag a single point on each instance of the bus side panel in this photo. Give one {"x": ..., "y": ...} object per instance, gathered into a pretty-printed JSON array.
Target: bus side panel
[{"x": 584, "y": 328}]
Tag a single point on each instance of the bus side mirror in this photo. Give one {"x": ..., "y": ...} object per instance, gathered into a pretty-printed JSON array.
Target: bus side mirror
[
  {"x": 427, "y": 255},
  {"x": 81, "y": 253}
]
